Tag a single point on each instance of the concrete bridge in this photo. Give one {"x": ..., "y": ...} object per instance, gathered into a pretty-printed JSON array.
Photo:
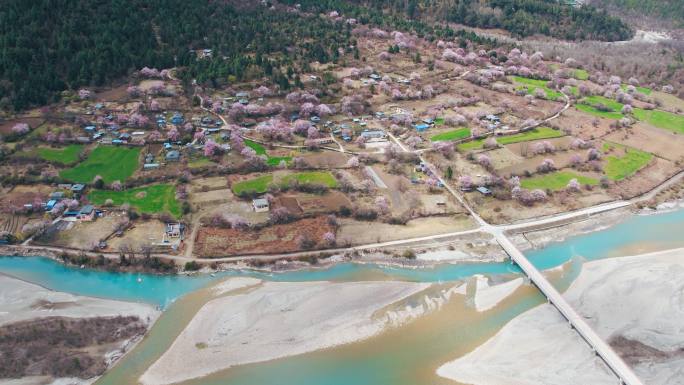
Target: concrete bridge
[
  {"x": 623, "y": 372},
  {"x": 602, "y": 349}
]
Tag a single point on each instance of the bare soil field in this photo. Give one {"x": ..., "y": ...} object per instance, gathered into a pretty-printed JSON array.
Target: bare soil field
[
  {"x": 330, "y": 202},
  {"x": 142, "y": 233},
  {"x": 581, "y": 124},
  {"x": 211, "y": 197},
  {"x": 82, "y": 235},
  {"x": 22, "y": 195},
  {"x": 114, "y": 94},
  {"x": 216, "y": 242},
  {"x": 499, "y": 212},
  {"x": 561, "y": 159},
  {"x": 327, "y": 159},
  {"x": 662, "y": 143},
  {"x": 6, "y": 125},
  {"x": 525, "y": 148},
  {"x": 211, "y": 183},
  {"x": 355, "y": 232}
]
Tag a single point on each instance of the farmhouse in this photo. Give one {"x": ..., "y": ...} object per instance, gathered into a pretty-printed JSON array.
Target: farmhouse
[
  {"x": 173, "y": 156},
  {"x": 174, "y": 230},
  {"x": 373, "y": 134},
  {"x": 260, "y": 205},
  {"x": 484, "y": 191},
  {"x": 87, "y": 213}
]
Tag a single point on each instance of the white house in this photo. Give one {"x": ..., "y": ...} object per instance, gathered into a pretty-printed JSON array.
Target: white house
[{"x": 260, "y": 205}]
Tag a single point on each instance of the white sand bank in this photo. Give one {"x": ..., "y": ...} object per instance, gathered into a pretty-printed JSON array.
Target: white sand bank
[
  {"x": 275, "y": 320},
  {"x": 535, "y": 348},
  {"x": 487, "y": 297},
  {"x": 20, "y": 300},
  {"x": 640, "y": 298}
]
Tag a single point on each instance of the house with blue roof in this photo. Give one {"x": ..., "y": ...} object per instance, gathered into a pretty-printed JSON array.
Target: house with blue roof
[{"x": 421, "y": 127}]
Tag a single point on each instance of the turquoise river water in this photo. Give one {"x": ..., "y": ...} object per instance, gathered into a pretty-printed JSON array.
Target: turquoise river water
[{"x": 407, "y": 356}]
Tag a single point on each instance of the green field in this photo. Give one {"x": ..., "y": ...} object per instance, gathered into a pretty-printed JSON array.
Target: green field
[
  {"x": 261, "y": 150},
  {"x": 661, "y": 119},
  {"x": 66, "y": 155},
  {"x": 555, "y": 181},
  {"x": 537, "y": 133},
  {"x": 260, "y": 184},
  {"x": 472, "y": 145},
  {"x": 155, "y": 199},
  {"x": 591, "y": 110},
  {"x": 618, "y": 168},
  {"x": 533, "y": 84},
  {"x": 580, "y": 74},
  {"x": 257, "y": 185},
  {"x": 312, "y": 177},
  {"x": 111, "y": 163},
  {"x": 451, "y": 135},
  {"x": 643, "y": 90}
]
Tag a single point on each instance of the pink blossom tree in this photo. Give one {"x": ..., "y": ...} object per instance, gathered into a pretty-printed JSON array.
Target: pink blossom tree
[
  {"x": 210, "y": 148},
  {"x": 573, "y": 185},
  {"x": 20, "y": 128},
  {"x": 547, "y": 165},
  {"x": 173, "y": 135}
]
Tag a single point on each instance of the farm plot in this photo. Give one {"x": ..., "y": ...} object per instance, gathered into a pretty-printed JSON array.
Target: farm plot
[
  {"x": 535, "y": 134},
  {"x": 533, "y": 84},
  {"x": 155, "y": 199},
  {"x": 283, "y": 238},
  {"x": 460, "y": 133},
  {"x": 624, "y": 161},
  {"x": 661, "y": 119},
  {"x": 66, "y": 155},
  {"x": 556, "y": 180},
  {"x": 111, "y": 163},
  {"x": 261, "y": 150},
  {"x": 260, "y": 184},
  {"x": 651, "y": 139}
]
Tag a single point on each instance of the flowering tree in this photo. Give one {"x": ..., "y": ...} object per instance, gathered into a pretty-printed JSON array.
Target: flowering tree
[
  {"x": 485, "y": 161},
  {"x": 465, "y": 182},
  {"x": 248, "y": 152},
  {"x": 593, "y": 154},
  {"x": 312, "y": 133},
  {"x": 382, "y": 204},
  {"x": 154, "y": 106},
  {"x": 573, "y": 185},
  {"x": 445, "y": 148},
  {"x": 353, "y": 162},
  {"x": 329, "y": 239},
  {"x": 199, "y": 136},
  {"x": 20, "y": 128},
  {"x": 116, "y": 185},
  {"x": 280, "y": 215},
  {"x": 236, "y": 141},
  {"x": 306, "y": 109},
  {"x": 262, "y": 91},
  {"x": 210, "y": 148},
  {"x": 173, "y": 135},
  {"x": 134, "y": 91},
  {"x": 188, "y": 127},
  {"x": 323, "y": 110},
  {"x": 547, "y": 165},
  {"x": 84, "y": 94}
]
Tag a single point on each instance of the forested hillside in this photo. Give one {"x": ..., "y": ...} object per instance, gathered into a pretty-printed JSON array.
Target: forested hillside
[
  {"x": 47, "y": 46},
  {"x": 521, "y": 17},
  {"x": 667, "y": 9}
]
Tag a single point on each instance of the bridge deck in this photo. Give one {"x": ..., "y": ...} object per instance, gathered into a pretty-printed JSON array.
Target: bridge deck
[{"x": 616, "y": 364}]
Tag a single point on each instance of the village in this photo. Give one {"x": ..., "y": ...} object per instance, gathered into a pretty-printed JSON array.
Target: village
[{"x": 368, "y": 150}]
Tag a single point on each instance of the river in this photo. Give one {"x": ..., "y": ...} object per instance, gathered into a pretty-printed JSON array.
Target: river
[{"x": 401, "y": 356}]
